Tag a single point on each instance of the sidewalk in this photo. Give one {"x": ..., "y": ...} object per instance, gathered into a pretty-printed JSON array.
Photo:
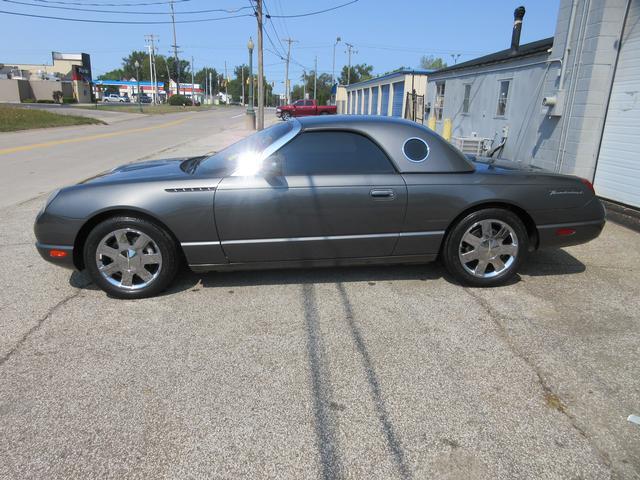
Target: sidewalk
[{"x": 209, "y": 144}]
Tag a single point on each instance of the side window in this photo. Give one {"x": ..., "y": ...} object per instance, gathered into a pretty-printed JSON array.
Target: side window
[
  {"x": 308, "y": 103},
  {"x": 439, "y": 102},
  {"x": 299, "y": 103},
  {"x": 467, "y": 98},
  {"x": 503, "y": 97},
  {"x": 333, "y": 153}
]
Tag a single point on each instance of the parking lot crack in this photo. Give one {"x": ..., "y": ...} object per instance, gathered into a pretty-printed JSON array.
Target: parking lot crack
[
  {"x": 552, "y": 399},
  {"x": 37, "y": 326}
]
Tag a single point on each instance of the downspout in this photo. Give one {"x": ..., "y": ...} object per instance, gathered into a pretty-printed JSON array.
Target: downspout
[
  {"x": 567, "y": 44},
  {"x": 584, "y": 22}
]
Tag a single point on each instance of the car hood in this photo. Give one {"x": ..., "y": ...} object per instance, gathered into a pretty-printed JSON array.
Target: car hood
[{"x": 167, "y": 169}]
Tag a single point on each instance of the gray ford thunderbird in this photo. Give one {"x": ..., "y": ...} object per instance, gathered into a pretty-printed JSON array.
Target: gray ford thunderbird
[{"x": 318, "y": 191}]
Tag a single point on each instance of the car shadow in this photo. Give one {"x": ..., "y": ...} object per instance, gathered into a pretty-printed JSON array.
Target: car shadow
[{"x": 540, "y": 263}]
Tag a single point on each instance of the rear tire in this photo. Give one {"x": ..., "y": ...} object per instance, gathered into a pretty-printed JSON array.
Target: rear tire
[
  {"x": 486, "y": 247},
  {"x": 130, "y": 257}
]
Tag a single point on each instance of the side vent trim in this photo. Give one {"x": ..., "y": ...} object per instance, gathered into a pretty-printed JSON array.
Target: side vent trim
[{"x": 190, "y": 189}]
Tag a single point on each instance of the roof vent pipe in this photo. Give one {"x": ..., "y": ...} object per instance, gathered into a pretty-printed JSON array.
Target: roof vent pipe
[{"x": 518, "y": 15}]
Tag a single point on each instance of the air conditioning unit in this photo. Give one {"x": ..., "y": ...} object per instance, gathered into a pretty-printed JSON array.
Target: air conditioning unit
[{"x": 473, "y": 145}]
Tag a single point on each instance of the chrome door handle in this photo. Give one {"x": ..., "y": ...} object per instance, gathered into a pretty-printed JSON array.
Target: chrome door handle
[{"x": 383, "y": 193}]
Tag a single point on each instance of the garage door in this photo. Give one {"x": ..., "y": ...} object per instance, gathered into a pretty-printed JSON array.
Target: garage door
[
  {"x": 618, "y": 171},
  {"x": 398, "y": 96},
  {"x": 366, "y": 101},
  {"x": 384, "y": 105},
  {"x": 374, "y": 101}
]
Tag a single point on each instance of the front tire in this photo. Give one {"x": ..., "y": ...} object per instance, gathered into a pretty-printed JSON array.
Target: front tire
[
  {"x": 486, "y": 248},
  {"x": 130, "y": 257},
  {"x": 286, "y": 116}
]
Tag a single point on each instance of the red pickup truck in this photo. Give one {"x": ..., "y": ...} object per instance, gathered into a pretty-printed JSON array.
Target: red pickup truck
[{"x": 303, "y": 108}]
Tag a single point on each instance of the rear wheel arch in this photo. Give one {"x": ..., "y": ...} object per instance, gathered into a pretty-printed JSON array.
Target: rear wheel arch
[
  {"x": 524, "y": 216},
  {"x": 90, "y": 224}
]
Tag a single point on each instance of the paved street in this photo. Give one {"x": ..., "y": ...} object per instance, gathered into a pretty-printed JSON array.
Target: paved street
[
  {"x": 369, "y": 372},
  {"x": 38, "y": 161}
]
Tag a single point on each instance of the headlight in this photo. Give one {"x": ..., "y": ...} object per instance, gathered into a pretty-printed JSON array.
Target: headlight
[{"x": 278, "y": 109}]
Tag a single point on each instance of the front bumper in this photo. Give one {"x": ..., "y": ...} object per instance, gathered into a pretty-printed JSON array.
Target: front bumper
[{"x": 50, "y": 254}]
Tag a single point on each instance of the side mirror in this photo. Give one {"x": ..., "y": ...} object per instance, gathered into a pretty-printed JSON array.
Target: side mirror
[{"x": 272, "y": 167}]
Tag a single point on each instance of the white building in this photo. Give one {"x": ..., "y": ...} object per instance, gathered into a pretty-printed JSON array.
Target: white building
[
  {"x": 570, "y": 103},
  {"x": 395, "y": 94}
]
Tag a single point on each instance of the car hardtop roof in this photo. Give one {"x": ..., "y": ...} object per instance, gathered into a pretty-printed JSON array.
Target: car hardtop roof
[
  {"x": 391, "y": 134},
  {"x": 324, "y": 121}
]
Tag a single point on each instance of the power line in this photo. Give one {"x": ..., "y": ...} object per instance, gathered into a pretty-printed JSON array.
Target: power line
[
  {"x": 186, "y": 12},
  {"x": 122, "y": 22},
  {"x": 136, "y": 4},
  {"x": 273, "y": 27},
  {"x": 308, "y": 14}
]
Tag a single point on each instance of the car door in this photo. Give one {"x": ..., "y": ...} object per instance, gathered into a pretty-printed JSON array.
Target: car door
[
  {"x": 298, "y": 108},
  {"x": 307, "y": 108},
  {"x": 332, "y": 194}
]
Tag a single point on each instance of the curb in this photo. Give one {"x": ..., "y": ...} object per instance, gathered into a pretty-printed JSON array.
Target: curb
[{"x": 622, "y": 215}]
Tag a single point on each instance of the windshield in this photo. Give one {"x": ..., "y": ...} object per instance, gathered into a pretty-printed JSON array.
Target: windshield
[{"x": 225, "y": 161}]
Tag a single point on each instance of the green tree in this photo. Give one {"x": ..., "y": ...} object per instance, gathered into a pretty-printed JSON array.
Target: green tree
[
  {"x": 323, "y": 87},
  {"x": 429, "y": 62},
  {"x": 359, "y": 73},
  {"x": 117, "y": 74},
  {"x": 202, "y": 77},
  {"x": 128, "y": 64}
]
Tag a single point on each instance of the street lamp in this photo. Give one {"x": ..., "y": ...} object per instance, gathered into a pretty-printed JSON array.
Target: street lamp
[
  {"x": 137, "y": 65},
  {"x": 333, "y": 70},
  {"x": 250, "y": 121}
]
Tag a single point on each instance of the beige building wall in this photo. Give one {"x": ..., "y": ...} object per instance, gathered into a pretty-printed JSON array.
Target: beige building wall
[
  {"x": 10, "y": 90},
  {"x": 341, "y": 99}
]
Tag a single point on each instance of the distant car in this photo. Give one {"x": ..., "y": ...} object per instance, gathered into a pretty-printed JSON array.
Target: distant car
[
  {"x": 323, "y": 191},
  {"x": 115, "y": 98},
  {"x": 144, "y": 98},
  {"x": 304, "y": 108}
]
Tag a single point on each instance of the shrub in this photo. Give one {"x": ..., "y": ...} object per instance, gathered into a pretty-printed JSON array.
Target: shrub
[
  {"x": 45, "y": 101},
  {"x": 57, "y": 96},
  {"x": 69, "y": 100},
  {"x": 29, "y": 100},
  {"x": 180, "y": 100}
]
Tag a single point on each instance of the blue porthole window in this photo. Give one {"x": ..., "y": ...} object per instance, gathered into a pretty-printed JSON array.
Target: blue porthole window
[{"x": 415, "y": 149}]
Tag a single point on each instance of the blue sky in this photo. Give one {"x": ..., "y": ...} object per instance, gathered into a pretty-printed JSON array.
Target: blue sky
[{"x": 386, "y": 34}]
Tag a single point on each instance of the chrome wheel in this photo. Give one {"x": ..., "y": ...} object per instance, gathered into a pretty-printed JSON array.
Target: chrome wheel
[
  {"x": 488, "y": 248},
  {"x": 128, "y": 259}
]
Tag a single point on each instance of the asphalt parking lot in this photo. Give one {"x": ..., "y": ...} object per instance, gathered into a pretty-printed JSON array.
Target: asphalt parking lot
[{"x": 377, "y": 372}]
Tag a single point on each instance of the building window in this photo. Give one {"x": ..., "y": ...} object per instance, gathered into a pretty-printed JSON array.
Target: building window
[
  {"x": 467, "y": 98},
  {"x": 503, "y": 97},
  {"x": 439, "y": 103}
]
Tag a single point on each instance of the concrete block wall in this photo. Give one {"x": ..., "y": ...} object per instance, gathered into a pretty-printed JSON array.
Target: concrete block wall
[{"x": 589, "y": 74}]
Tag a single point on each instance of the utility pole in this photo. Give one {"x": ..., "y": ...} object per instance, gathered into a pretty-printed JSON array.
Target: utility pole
[
  {"x": 226, "y": 84},
  {"x": 175, "y": 49},
  {"x": 260, "y": 122},
  {"x": 287, "y": 100},
  {"x": 193, "y": 86},
  {"x": 150, "y": 41},
  {"x": 210, "y": 89},
  {"x": 304, "y": 84},
  {"x": 350, "y": 48},
  {"x": 333, "y": 69},
  {"x": 242, "y": 67},
  {"x": 315, "y": 78}
]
